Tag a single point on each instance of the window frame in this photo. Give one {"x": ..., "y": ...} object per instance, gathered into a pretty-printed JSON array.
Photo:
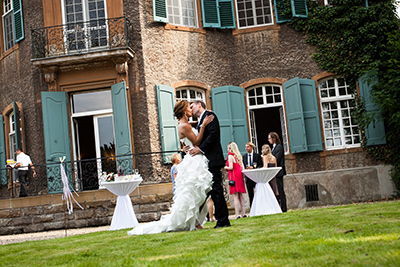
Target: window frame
[
  {"x": 8, "y": 14},
  {"x": 254, "y": 17},
  {"x": 181, "y": 3},
  {"x": 337, "y": 99}
]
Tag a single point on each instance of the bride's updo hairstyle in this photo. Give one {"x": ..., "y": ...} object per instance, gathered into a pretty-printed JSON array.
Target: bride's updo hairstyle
[{"x": 180, "y": 108}]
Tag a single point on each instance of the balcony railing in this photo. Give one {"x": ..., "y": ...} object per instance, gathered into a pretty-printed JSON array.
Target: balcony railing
[{"x": 81, "y": 37}]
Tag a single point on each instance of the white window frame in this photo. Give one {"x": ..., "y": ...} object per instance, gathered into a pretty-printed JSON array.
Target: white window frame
[
  {"x": 279, "y": 104},
  {"x": 254, "y": 15},
  {"x": 87, "y": 28},
  {"x": 8, "y": 13},
  {"x": 188, "y": 98},
  {"x": 182, "y": 9},
  {"x": 337, "y": 99}
]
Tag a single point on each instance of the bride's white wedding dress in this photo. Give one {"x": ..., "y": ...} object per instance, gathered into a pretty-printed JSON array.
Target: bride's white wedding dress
[{"x": 193, "y": 182}]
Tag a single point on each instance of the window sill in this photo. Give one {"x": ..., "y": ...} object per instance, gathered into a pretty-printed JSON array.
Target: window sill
[
  {"x": 9, "y": 51},
  {"x": 256, "y": 29},
  {"x": 183, "y": 28},
  {"x": 341, "y": 151}
]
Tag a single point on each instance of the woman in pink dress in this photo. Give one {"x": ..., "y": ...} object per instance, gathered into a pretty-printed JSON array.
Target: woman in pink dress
[{"x": 234, "y": 166}]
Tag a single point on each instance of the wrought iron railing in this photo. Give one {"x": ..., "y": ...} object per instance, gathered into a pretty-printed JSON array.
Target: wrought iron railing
[
  {"x": 83, "y": 175},
  {"x": 81, "y": 37}
]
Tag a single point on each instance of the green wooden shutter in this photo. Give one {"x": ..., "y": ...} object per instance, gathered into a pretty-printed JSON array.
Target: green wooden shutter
[
  {"x": 209, "y": 9},
  {"x": 123, "y": 144},
  {"x": 168, "y": 123},
  {"x": 279, "y": 9},
  {"x": 3, "y": 156},
  {"x": 160, "y": 11},
  {"x": 56, "y": 138},
  {"x": 218, "y": 14},
  {"x": 365, "y": 4},
  {"x": 375, "y": 132},
  {"x": 299, "y": 8},
  {"x": 229, "y": 105},
  {"x": 295, "y": 117},
  {"x": 18, "y": 20},
  {"x": 17, "y": 126},
  {"x": 226, "y": 14},
  {"x": 311, "y": 115}
]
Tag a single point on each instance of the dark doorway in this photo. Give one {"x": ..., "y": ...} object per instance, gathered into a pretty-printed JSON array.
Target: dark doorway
[{"x": 267, "y": 120}]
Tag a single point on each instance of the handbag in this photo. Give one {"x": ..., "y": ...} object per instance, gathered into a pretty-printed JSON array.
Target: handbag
[{"x": 231, "y": 182}]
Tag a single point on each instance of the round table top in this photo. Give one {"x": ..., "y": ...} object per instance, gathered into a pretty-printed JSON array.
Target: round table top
[{"x": 261, "y": 175}]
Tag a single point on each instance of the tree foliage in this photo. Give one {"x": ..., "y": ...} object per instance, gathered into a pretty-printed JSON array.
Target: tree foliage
[{"x": 352, "y": 39}]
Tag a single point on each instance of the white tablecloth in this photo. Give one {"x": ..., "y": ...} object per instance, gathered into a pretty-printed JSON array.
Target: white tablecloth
[
  {"x": 124, "y": 216},
  {"x": 264, "y": 201}
]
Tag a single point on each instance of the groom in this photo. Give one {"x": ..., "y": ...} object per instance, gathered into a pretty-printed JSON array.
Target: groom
[{"x": 211, "y": 147}]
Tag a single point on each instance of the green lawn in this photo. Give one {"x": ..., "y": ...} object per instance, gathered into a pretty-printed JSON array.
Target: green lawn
[{"x": 352, "y": 235}]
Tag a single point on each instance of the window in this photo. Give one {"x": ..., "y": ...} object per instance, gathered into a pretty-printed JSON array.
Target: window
[
  {"x": 189, "y": 94},
  {"x": 253, "y": 13},
  {"x": 337, "y": 105},
  {"x": 182, "y": 12},
  {"x": 13, "y": 145},
  {"x": 397, "y": 5},
  {"x": 265, "y": 101},
  {"x": 8, "y": 24},
  {"x": 86, "y": 23}
]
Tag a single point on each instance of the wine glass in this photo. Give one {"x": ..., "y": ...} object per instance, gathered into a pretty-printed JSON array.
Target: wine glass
[
  {"x": 136, "y": 171},
  {"x": 254, "y": 165}
]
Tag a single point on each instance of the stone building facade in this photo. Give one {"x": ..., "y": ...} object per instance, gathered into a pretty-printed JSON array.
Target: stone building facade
[{"x": 79, "y": 49}]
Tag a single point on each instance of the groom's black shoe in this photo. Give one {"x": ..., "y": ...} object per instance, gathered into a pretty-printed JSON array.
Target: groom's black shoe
[{"x": 220, "y": 226}]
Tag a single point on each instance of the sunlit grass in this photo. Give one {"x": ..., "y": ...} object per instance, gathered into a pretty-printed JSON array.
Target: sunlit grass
[{"x": 352, "y": 235}]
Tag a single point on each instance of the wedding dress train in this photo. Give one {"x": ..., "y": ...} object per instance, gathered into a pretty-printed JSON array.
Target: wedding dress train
[{"x": 189, "y": 209}]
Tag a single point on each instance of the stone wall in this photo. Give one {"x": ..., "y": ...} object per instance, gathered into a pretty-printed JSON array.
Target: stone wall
[{"x": 48, "y": 212}]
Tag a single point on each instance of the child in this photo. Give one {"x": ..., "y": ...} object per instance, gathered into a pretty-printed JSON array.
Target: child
[{"x": 175, "y": 159}]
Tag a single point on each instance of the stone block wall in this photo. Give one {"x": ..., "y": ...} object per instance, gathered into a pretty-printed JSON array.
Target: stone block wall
[{"x": 48, "y": 212}]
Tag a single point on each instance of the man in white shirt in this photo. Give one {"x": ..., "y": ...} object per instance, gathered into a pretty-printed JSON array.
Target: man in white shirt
[
  {"x": 251, "y": 160},
  {"x": 23, "y": 162}
]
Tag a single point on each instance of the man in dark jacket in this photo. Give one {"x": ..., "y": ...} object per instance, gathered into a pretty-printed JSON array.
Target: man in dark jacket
[{"x": 277, "y": 151}]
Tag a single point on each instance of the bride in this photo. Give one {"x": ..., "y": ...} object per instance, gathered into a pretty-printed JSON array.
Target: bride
[{"x": 193, "y": 182}]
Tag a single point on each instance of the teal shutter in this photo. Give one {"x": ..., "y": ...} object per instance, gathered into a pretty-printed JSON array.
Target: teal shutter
[
  {"x": 3, "y": 156},
  {"x": 123, "y": 145},
  {"x": 209, "y": 9},
  {"x": 375, "y": 132},
  {"x": 365, "y": 4},
  {"x": 160, "y": 11},
  {"x": 226, "y": 14},
  {"x": 279, "y": 9},
  {"x": 56, "y": 138},
  {"x": 311, "y": 115},
  {"x": 299, "y": 8},
  {"x": 18, "y": 20},
  {"x": 295, "y": 117},
  {"x": 229, "y": 105},
  {"x": 218, "y": 14},
  {"x": 17, "y": 126},
  {"x": 168, "y": 123}
]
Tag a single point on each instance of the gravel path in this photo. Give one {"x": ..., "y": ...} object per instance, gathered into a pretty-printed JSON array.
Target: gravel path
[{"x": 8, "y": 239}]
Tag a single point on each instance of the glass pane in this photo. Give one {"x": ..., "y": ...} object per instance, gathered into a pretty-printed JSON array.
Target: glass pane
[
  {"x": 184, "y": 94},
  {"x": 259, "y": 90},
  {"x": 277, "y": 90},
  {"x": 329, "y": 142},
  {"x": 328, "y": 133},
  {"x": 356, "y": 139},
  {"x": 327, "y": 115},
  {"x": 252, "y": 102},
  {"x": 346, "y": 122},
  {"x": 260, "y": 101},
  {"x": 106, "y": 136},
  {"x": 338, "y": 142},
  {"x": 92, "y": 101},
  {"x": 333, "y": 105},
  {"x": 251, "y": 92},
  {"x": 347, "y": 131},
  {"x": 335, "y": 114},
  {"x": 192, "y": 94},
  {"x": 335, "y": 123},
  {"x": 336, "y": 132},
  {"x": 178, "y": 94},
  {"x": 268, "y": 90},
  {"x": 332, "y": 92},
  {"x": 328, "y": 124},
  {"x": 277, "y": 98},
  {"x": 270, "y": 99},
  {"x": 348, "y": 140},
  {"x": 345, "y": 113},
  {"x": 324, "y": 93}
]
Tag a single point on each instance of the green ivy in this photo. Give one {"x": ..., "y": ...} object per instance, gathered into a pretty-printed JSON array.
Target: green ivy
[{"x": 351, "y": 40}]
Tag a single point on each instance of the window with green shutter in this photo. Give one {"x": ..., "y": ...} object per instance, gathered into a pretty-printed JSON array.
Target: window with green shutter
[
  {"x": 302, "y": 115},
  {"x": 299, "y": 8},
  {"x": 228, "y": 103},
  {"x": 375, "y": 132},
  {"x": 168, "y": 122},
  {"x": 160, "y": 11}
]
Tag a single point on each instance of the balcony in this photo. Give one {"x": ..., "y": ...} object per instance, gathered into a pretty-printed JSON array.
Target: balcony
[{"x": 82, "y": 42}]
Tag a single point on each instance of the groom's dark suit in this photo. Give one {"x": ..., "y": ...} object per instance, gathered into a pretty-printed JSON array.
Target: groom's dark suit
[
  {"x": 211, "y": 147},
  {"x": 250, "y": 184}
]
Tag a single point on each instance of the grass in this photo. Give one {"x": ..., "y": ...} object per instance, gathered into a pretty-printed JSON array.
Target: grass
[{"x": 365, "y": 234}]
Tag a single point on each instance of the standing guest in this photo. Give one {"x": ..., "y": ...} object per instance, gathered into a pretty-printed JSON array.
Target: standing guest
[
  {"x": 277, "y": 151},
  {"x": 251, "y": 160},
  {"x": 234, "y": 166},
  {"x": 175, "y": 159},
  {"x": 270, "y": 161},
  {"x": 23, "y": 162}
]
